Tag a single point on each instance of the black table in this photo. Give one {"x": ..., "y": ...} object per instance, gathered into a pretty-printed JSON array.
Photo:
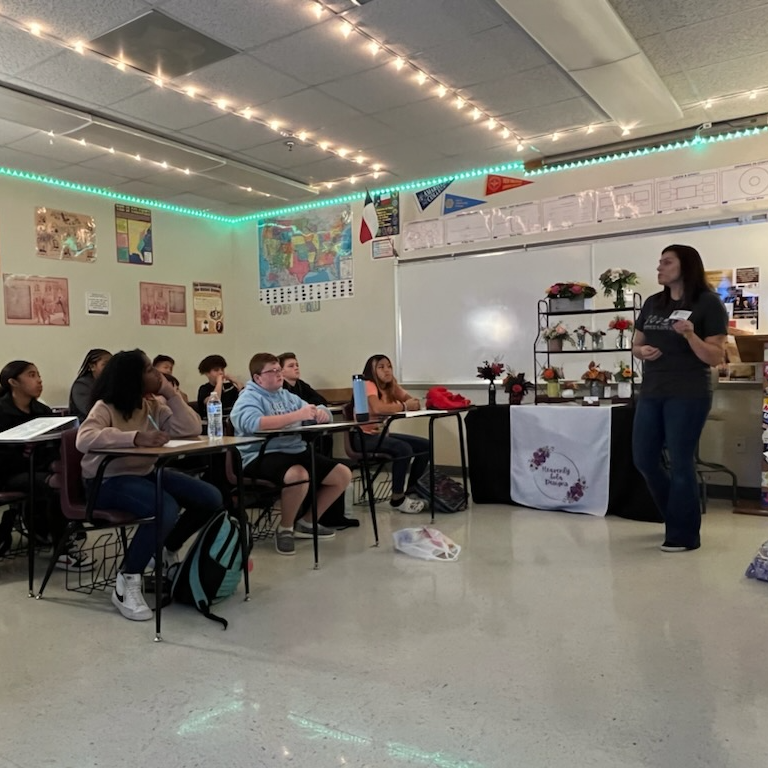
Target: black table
[{"x": 488, "y": 447}]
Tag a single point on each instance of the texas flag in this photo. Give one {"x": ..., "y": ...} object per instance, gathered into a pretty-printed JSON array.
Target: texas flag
[{"x": 369, "y": 226}]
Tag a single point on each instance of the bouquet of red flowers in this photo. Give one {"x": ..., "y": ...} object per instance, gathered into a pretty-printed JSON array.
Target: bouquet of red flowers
[
  {"x": 490, "y": 371},
  {"x": 620, "y": 324},
  {"x": 570, "y": 290},
  {"x": 515, "y": 383}
]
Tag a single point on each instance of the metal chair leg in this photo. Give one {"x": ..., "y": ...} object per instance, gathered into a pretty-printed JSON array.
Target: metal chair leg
[{"x": 62, "y": 542}]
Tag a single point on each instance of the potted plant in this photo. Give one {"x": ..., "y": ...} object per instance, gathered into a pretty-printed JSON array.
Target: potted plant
[
  {"x": 516, "y": 386},
  {"x": 624, "y": 326},
  {"x": 552, "y": 375},
  {"x": 616, "y": 281},
  {"x": 555, "y": 335},
  {"x": 596, "y": 379},
  {"x": 568, "y": 296},
  {"x": 489, "y": 371},
  {"x": 624, "y": 377}
]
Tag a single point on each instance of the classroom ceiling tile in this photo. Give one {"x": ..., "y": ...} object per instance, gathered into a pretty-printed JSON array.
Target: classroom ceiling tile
[
  {"x": 142, "y": 189},
  {"x": 10, "y": 131},
  {"x": 555, "y": 117},
  {"x": 661, "y": 54},
  {"x": 232, "y": 132},
  {"x": 637, "y": 17},
  {"x": 277, "y": 154},
  {"x": 309, "y": 110},
  {"x": 210, "y": 204},
  {"x": 243, "y": 79},
  {"x": 82, "y": 80},
  {"x": 120, "y": 164},
  {"x": 39, "y": 143},
  {"x": 672, "y": 14},
  {"x": 361, "y": 133},
  {"x": 91, "y": 176},
  {"x": 424, "y": 117},
  {"x": 164, "y": 108},
  {"x": 378, "y": 89},
  {"x": 74, "y": 19},
  {"x": 24, "y": 161},
  {"x": 316, "y": 55},
  {"x": 742, "y": 74},
  {"x": 243, "y": 23},
  {"x": 20, "y": 50},
  {"x": 179, "y": 182},
  {"x": 481, "y": 57},
  {"x": 473, "y": 137},
  {"x": 324, "y": 170},
  {"x": 681, "y": 88}
]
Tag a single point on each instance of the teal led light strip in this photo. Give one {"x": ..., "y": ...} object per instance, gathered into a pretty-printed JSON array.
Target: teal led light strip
[
  {"x": 113, "y": 195},
  {"x": 515, "y": 166},
  {"x": 697, "y": 141}
]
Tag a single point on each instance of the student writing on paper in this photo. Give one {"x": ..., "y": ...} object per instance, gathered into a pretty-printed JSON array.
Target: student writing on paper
[
  {"x": 386, "y": 397},
  {"x": 123, "y": 416},
  {"x": 680, "y": 335},
  {"x": 21, "y": 386},
  {"x": 82, "y": 388}
]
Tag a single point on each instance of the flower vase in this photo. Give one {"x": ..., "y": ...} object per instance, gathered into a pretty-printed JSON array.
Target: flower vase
[
  {"x": 491, "y": 393},
  {"x": 622, "y": 340},
  {"x": 595, "y": 388},
  {"x": 553, "y": 389},
  {"x": 555, "y": 345},
  {"x": 620, "y": 302},
  {"x": 566, "y": 305},
  {"x": 581, "y": 341},
  {"x": 515, "y": 398},
  {"x": 597, "y": 341},
  {"x": 624, "y": 390}
]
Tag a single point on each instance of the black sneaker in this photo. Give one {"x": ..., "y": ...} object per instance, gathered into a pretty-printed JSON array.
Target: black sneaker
[{"x": 669, "y": 547}]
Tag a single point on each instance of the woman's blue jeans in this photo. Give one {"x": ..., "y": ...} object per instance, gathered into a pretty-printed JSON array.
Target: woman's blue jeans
[
  {"x": 674, "y": 424},
  {"x": 136, "y": 494}
]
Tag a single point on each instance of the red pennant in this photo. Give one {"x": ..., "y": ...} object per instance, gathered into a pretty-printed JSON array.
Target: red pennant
[{"x": 495, "y": 183}]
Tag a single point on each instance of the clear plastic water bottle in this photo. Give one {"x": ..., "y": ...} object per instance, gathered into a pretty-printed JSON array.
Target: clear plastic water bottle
[
  {"x": 359, "y": 398},
  {"x": 215, "y": 417}
]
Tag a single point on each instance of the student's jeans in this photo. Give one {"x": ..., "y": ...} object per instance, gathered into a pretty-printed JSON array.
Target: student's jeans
[
  {"x": 674, "y": 423},
  {"x": 402, "y": 448},
  {"x": 136, "y": 494}
]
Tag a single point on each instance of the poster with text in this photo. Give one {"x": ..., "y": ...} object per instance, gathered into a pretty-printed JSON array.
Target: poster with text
[
  {"x": 208, "y": 308},
  {"x": 98, "y": 304},
  {"x": 387, "y": 205},
  {"x": 133, "y": 227},
  {"x": 746, "y": 300},
  {"x": 36, "y": 300},
  {"x": 163, "y": 304},
  {"x": 65, "y": 236}
]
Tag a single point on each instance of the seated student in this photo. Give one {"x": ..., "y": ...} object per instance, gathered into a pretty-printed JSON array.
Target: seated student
[
  {"x": 219, "y": 381},
  {"x": 21, "y": 386},
  {"x": 80, "y": 394},
  {"x": 264, "y": 404},
  {"x": 164, "y": 364},
  {"x": 334, "y": 517},
  {"x": 291, "y": 381},
  {"x": 125, "y": 415},
  {"x": 386, "y": 396}
]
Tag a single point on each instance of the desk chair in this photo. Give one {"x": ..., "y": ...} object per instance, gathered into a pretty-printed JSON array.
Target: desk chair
[
  {"x": 382, "y": 490},
  {"x": 705, "y": 468},
  {"x": 80, "y": 513},
  {"x": 12, "y": 519}
]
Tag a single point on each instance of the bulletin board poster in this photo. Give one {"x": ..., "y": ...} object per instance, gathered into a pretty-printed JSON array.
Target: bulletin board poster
[
  {"x": 163, "y": 304},
  {"x": 208, "y": 307},
  {"x": 36, "y": 300},
  {"x": 65, "y": 236},
  {"x": 387, "y": 206},
  {"x": 133, "y": 227}
]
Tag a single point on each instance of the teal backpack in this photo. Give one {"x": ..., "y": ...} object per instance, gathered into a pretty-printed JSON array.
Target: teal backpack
[{"x": 212, "y": 568}]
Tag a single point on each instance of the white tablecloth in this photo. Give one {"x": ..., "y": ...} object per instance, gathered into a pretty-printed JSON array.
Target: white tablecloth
[{"x": 560, "y": 457}]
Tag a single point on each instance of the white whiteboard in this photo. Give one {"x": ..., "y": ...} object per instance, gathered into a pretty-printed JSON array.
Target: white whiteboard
[{"x": 454, "y": 313}]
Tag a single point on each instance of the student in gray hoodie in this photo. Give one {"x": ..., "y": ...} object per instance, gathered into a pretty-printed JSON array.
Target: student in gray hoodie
[{"x": 264, "y": 404}]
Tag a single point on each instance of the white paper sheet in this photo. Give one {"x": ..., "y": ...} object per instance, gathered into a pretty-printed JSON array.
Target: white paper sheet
[
  {"x": 37, "y": 427},
  {"x": 687, "y": 191},
  {"x": 181, "y": 443}
]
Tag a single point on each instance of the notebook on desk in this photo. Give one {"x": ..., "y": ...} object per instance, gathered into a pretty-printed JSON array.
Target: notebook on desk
[{"x": 37, "y": 428}]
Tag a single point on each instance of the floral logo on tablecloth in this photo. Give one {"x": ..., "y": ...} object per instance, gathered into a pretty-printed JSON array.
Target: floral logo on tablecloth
[{"x": 557, "y": 475}]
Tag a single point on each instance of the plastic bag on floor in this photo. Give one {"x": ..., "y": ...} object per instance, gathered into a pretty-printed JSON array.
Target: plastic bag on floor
[
  {"x": 758, "y": 568},
  {"x": 426, "y": 544}
]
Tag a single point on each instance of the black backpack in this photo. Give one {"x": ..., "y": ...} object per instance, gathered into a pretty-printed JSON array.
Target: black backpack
[
  {"x": 449, "y": 495},
  {"x": 212, "y": 568}
]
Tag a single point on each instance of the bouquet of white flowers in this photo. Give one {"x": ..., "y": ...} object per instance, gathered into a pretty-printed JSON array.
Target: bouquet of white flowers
[{"x": 614, "y": 281}]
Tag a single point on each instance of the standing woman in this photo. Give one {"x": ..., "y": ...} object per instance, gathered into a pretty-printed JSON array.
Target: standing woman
[
  {"x": 385, "y": 397},
  {"x": 125, "y": 413},
  {"x": 680, "y": 335},
  {"x": 80, "y": 394}
]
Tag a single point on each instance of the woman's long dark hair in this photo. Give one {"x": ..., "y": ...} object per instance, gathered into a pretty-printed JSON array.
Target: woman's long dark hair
[
  {"x": 691, "y": 272},
  {"x": 93, "y": 357},
  {"x": 369, "y": 372},
  {"x": 13, "y": 370},
  {"x": 121, "y": 383}
]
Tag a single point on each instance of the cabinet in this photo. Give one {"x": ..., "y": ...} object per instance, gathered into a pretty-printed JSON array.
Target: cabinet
[{"x": 608, "y": 356}]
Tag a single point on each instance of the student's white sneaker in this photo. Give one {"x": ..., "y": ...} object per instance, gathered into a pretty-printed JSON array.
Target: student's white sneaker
[
  {"x": 411, "y": 506},
  {"x": 127, "y": 597}
]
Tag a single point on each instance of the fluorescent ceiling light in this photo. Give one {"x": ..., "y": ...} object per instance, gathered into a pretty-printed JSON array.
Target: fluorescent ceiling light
[{"x": 590, "y": 42}]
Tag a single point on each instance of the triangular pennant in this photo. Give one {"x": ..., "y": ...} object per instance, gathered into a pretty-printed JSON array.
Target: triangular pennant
[
  {"x": 425, "y": 197},
  {"x": 453, "y": 203},
  {"x": 495, "y": 183}
]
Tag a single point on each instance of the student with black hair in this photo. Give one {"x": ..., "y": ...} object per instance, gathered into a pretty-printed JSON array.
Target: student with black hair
[
  {"x": 20, "y": 389},
  {"x": 126, "y": 413},
  {"x": 82, "y": 389},
  {"x": 165, "y": 364},
  {"x": 219, "y": 381}
]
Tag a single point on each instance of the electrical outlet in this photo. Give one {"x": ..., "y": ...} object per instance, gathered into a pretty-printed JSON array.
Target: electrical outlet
[{"x": 739, "y": 445}]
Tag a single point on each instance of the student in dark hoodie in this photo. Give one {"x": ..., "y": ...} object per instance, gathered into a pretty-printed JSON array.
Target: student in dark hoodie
[
  {"x": 20, "y": 389},
  {"x": 80, "y": 394}
]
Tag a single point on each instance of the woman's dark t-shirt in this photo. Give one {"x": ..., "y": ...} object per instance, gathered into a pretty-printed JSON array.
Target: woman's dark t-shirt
[{"x": 678, "y": 372}]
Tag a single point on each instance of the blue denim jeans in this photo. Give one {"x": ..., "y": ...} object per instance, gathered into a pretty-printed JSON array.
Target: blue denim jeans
[
  {"x": 674, "y": 423},
  {"x": 402, "y": 449},
  {"x": 136, "y": 494}
]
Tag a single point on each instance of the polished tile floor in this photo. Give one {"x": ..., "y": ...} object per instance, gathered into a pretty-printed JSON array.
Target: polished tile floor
[{"x": 555, "y": 640}]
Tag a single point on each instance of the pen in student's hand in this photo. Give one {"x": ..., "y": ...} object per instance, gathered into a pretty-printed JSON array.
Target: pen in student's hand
[{"x": 153, "y": 422}]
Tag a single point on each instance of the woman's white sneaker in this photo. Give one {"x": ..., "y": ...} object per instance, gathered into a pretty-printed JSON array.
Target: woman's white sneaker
[
  {"x": 128, "y": 599},
  {"x": 411, "y": 506}
]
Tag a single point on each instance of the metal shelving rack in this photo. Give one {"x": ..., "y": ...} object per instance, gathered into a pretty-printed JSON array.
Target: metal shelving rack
[{"x": 542, "y": 357}]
